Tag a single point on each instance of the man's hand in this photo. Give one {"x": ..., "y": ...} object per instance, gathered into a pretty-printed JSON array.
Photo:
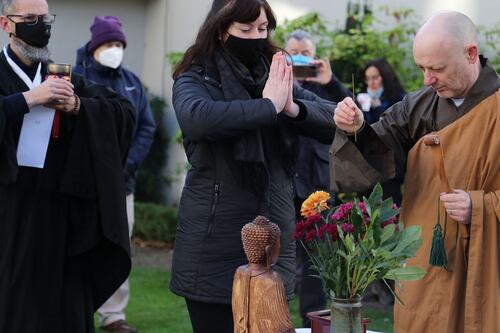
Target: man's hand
[
  {"x": 348, "y": 117},
  {"x": 70, "y": 105},
  {"x": 325, "y": 73},
  {"x": 458, "y": 205},
  {"x": 53, "y": 91}
]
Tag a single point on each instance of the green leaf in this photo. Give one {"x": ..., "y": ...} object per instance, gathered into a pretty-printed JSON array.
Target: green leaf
[
  {"x": 408, "y": 236},
  {"x": 377, "y": 228},
  {"x": 357, "y": 221},
  {"x": 367, "y": 206},
  {"x": 411, "y": 250},
  {"x": 387, "y": 233},
  {"x": 405, "y": 274},
  {"x": 386, "y": 211},
  {"x": 376, "y": 196}
]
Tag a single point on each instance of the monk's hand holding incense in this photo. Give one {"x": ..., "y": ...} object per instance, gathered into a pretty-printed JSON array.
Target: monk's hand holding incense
[
  {"x": 458, "y": 205},
  {"x": 348, "y": 117}
]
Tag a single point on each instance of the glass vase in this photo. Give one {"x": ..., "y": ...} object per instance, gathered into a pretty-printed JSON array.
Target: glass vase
[{"x": 346, "y": 315}]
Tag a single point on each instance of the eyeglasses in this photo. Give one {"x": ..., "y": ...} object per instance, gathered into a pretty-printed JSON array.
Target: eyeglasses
[{"x": 32, "y": 19}]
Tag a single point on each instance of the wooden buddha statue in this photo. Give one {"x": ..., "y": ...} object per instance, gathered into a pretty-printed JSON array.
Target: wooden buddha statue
[{"x": 259, "y": 299}]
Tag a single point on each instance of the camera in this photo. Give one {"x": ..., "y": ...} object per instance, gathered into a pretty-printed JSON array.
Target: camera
[
  {"x": 303, "y": 67},
  {"x": 304, "y": 71}
]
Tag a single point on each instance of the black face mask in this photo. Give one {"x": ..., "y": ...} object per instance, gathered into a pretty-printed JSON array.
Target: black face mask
[
  {"x": 248, "y": 51},
  {"x": 36, "y": 35}
]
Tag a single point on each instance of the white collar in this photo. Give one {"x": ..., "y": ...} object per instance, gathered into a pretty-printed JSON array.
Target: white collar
[
  {"x": 458, "y": 101},
  {"x": 22, "y": 75}
]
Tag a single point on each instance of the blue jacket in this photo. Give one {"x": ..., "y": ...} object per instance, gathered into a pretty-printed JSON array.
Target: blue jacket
[{"x": 128, "y": 85}]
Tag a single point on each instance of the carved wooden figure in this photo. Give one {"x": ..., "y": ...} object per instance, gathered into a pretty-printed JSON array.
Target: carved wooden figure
[{"x": 259, "y": 299}]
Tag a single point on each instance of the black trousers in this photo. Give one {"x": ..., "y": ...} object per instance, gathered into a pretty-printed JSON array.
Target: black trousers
[{"x": 210, "y": 317}]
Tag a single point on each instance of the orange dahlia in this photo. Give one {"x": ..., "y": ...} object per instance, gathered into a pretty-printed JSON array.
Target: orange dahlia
[{"x": 315, "y": 204}]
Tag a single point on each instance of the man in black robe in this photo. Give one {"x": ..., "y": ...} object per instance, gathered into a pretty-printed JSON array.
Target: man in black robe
[{"x": 64, "y": 245}]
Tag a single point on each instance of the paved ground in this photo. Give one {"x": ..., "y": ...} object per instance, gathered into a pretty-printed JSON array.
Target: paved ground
[{"x": 151, "y": 256}]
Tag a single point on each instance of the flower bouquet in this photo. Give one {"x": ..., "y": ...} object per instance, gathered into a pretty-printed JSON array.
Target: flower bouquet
[{"x": 354, "y": 244}]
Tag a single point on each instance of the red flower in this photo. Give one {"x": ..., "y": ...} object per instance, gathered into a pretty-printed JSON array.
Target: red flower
[
  {"x": 298, "y": 234},
  {"x": 312, "y": 220},
  {"x": 333, "y": 232},
  {"x": 310, "y": 235},
  {"x": 322, "y": 230}
]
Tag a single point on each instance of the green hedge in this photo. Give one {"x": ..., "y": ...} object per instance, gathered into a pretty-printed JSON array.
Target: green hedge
[
  {"x": 155, "y": 222},
  {"x": 151, "y": 181}
]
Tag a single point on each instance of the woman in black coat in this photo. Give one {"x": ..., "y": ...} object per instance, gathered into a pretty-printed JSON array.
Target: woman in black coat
[{"x": 240, "y": 115}]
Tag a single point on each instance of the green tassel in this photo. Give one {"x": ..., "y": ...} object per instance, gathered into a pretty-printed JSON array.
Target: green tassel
[{"x": 438, "y": 252}]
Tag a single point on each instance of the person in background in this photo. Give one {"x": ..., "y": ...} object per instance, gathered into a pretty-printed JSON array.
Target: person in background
[
  {"x": 100, "y": 60},
  {"x": 383, "y": 89},
  {"x": 240, "y": 114},
  {"x": 311, "y": 170},
  {"x": 64, "y": 245}
]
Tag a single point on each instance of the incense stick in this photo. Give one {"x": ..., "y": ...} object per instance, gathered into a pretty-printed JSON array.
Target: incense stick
[{"x": 353, "y": 96}]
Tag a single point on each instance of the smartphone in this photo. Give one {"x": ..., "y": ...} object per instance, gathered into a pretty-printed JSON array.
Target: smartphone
[{"x": 304, "y": 71}]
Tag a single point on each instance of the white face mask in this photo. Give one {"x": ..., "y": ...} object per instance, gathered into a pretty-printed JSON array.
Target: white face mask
[{"x": 111, "y": 57}]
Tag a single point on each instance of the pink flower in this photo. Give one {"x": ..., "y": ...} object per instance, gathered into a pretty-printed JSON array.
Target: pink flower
[
  {"x": 342, "y": 212},
  {"x": 348, "y": 228},
  {"x": 362, "y": 206}
]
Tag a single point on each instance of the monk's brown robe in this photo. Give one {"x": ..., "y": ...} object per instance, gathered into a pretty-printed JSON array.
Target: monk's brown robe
[
  {"x": 259, "y": 302},
  {"x": 467, "y": 297}
]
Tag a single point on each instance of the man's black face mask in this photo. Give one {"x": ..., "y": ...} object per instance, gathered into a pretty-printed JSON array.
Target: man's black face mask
[
  {"x": 248, "y": 51},
  {"x": 36, "y": 35}
]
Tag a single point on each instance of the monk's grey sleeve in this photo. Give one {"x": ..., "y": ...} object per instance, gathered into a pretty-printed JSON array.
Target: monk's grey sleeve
[{"x": 378, "y": 154}]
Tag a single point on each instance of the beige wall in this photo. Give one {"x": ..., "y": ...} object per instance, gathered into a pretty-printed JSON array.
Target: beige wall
[
  {"x": 73, "y": 20},
  {"x": 157, "y": 27}
]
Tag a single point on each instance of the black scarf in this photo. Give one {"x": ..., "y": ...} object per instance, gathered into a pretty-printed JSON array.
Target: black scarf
[{"x": 240, "y": 82}]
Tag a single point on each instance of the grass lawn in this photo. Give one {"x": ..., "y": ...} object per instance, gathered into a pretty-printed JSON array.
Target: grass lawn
[{"x": 154, "y": 309}]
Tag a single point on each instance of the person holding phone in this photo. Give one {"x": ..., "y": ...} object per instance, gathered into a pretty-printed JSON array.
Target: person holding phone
[{"x": 311, "y": 172}]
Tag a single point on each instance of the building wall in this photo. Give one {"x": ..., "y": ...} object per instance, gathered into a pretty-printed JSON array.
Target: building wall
[
  {"x": 156, "y": 27},
  {"x": 74, "y": 18}
]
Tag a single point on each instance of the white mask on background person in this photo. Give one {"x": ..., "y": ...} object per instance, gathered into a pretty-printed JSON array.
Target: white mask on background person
[
  {"x": 375, "y": 94},
  {"x": 111, "y": 57}
]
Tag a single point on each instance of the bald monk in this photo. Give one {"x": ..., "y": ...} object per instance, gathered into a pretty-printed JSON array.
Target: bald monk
[
  {"x": 259, "y": 299},
  {"x": 446, "y": 139}
]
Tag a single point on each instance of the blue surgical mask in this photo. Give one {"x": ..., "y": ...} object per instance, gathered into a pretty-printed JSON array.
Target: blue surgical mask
[
  {"x": 299, "y": 59},
  {"x": 376, "y": 94}
]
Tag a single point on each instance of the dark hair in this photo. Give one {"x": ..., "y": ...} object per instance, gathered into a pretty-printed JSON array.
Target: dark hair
[
  {"x": 392, "y": 87},
  {"x": 218, "y": 20}
]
